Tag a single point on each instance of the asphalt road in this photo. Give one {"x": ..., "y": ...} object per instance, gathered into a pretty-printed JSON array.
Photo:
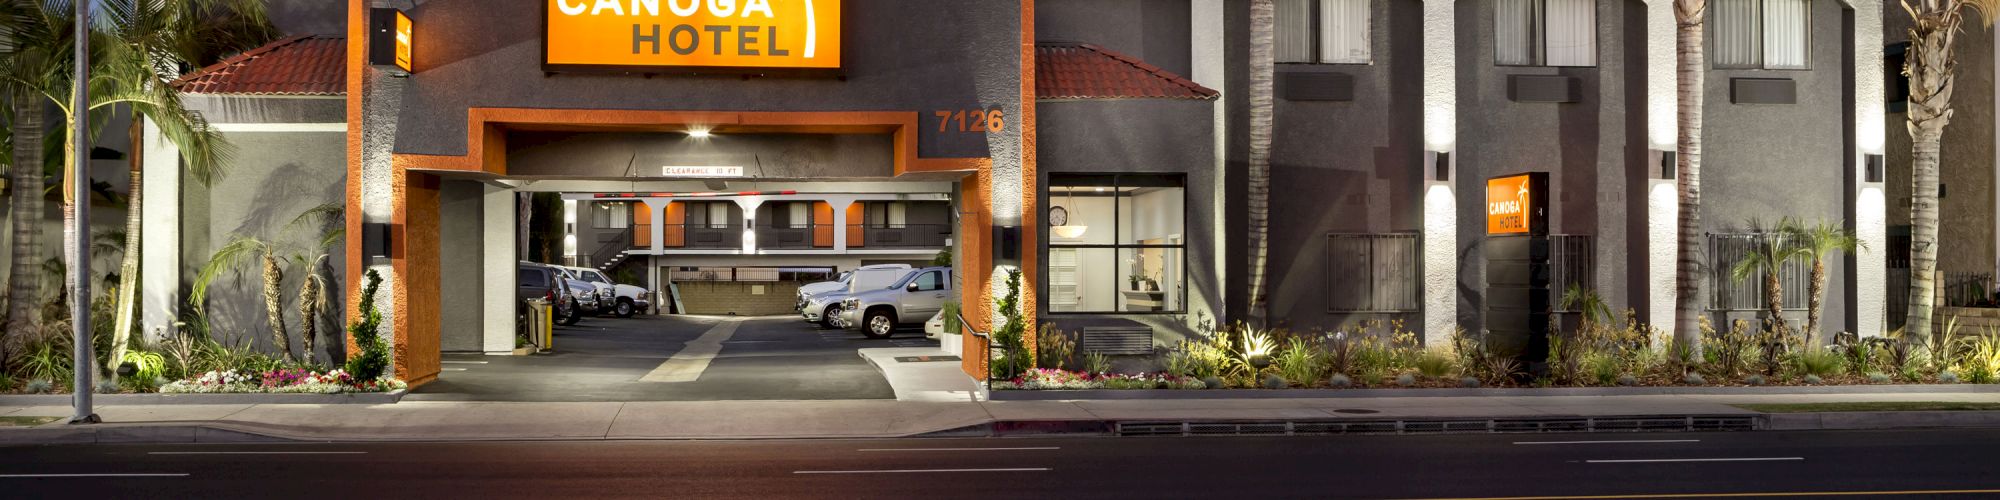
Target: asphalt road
[
  {"x": 1907, "y": 464},
  {"x": 602, "y": 359}
]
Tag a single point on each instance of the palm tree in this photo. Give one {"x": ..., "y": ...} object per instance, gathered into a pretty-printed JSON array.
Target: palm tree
[
  {"x": 1262, "y": 64},
  {"x": 1767, "y": 258},
  {"x": 26, "y": 30},
  {"x": 1817, "y": 243},
  {"x": 171, "y": 38},
  {"x": 271, "y": 255},
  {"x": 1690, "y": 15},
  {"x": 1930, "y": 66}
]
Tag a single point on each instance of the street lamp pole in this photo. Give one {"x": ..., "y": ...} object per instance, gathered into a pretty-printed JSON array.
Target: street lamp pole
[{"x": 79, "y": 233}]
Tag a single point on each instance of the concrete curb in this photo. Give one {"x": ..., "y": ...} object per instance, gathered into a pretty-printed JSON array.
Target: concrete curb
[
  {"x": 364, "y": 398},
  {"x": 1166, "y": 394}
]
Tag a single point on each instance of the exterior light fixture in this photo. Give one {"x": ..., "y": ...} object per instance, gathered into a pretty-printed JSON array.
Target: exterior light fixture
[
  {"x": 1440, "y": 162},
  {"x": 1871, "y": 168},
  {"x": 1667, "y": 162},
  {"x": 375, "y": 240},
  {"x": 698, "y": 133}
]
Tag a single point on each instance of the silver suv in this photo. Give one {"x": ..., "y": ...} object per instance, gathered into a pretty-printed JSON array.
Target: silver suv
[{"x": 913, "y": 299}]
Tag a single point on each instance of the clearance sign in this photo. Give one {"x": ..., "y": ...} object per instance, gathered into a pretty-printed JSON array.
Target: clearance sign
[
  {"x": 1514, "y": 204},
  {"x": 693, "y": 34}
]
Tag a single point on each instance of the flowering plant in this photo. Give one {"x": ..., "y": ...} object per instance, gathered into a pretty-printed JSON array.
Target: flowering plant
[{"x": 1049, "y": 379}]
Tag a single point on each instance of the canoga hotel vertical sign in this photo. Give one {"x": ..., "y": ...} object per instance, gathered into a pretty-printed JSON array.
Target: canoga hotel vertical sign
[{"x": 692, "y": 35}]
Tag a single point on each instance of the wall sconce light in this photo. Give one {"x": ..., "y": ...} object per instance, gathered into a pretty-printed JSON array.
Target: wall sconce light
[
  {"x": 1440, "y": 162},
  {"x": 1006, "y": 244},
  {"x": 1871, "y": 168},
  {"x": 1940, "y": 190},
  {"x": 1666, "y": 160},
  {"x": 375, "y": 240}
]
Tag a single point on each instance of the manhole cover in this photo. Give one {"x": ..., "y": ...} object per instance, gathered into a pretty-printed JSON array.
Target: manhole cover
[
  {"x": 922, "y": 359},
  {"x": 1356, "y": 411}
]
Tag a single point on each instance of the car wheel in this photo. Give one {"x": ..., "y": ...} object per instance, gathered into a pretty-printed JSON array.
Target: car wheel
[
  {"x": 878, "y": 325},
  {"x": 624, "y": 308},
  {"x": 829, "y": 317},
  {"x": 574, "y": 316}
]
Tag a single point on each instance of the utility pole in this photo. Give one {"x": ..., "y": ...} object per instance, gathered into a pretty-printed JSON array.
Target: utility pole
[{"x": 79, "y": 235}]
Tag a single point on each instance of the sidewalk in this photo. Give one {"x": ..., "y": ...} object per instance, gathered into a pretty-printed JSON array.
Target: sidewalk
[{"x": 469, "y": 421}]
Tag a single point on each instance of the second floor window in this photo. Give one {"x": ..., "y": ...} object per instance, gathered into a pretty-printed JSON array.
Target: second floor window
[
  {"x": 611, "y": 215},
  {"x": 1321, "y": 31},
  {"x": 1545, "y": 33},
  {"x": 1761, "y": 34}
]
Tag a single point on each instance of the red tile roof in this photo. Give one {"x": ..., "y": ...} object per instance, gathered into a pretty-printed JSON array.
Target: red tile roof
[
  {"x": 300, "y": 65},
  {"x": 1065, "y": 70}
]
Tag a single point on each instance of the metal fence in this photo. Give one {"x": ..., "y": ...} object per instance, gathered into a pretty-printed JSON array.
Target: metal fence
[
  {"x": 1373, "y": 272},
  {"x": 1572, "y": 262},
  {"x": 1967, "y": 289},
  {"x": 1725, "y": 250}
]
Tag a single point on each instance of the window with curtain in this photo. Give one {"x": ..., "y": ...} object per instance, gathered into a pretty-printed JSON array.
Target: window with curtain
[
  {"x": 1761, "y": 34},
  {"x": 611, "y": 215},
  {"x": 1321, "y": 31},
  {"x": 1545, "y": 33}
]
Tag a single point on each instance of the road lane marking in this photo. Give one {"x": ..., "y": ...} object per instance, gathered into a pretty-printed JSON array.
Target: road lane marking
[
  {"x": 1023, "y": 448},
  {"x": 1741, "y": 495},
  {"x": 36, "y": 476},
  {"x": 903, "y": 471},
  {"x": 256, "y": 453},
  {"x": 1666, "y": 460},
  {"x": 465, "y": 362},
  {"x": 1615, "y": 441},
  {"x": 452, "y": 369},
  {"x": 688, "y": 364}
]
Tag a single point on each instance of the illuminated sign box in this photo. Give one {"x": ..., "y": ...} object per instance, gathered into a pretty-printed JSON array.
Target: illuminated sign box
[
  {"x": 692, "y": 35},
  {"x": 1517, "y": 204},
  {"x": 390, "y": 39},
  {"x": 701, "y": 171}
]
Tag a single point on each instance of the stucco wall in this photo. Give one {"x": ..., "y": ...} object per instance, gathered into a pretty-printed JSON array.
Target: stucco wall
[
  {"x": 461, "y": 239},
  {"x": 1593, "y": 149},
  {"x": 899, "y": 55},
  {"x": 1346, "y": 167},
  {"x": 1105, "y": 137},
  {"x": 1767, "y": 161},
  {"x": 274, "y": 177},
  {"x": 1155, "y": 31}
]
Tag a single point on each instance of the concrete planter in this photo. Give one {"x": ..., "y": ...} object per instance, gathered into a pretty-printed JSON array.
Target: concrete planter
[
  {"x": 369, "y": 398},
  {"x": 524, "y": 351},
  {"x": 1059, "y": 395},
  {"x": 1971, "y": 320}
]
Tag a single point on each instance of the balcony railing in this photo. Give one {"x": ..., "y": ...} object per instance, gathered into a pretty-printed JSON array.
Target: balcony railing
[
  {"x": 789, "y": 238},
  {"x": 899, "y": 235},
  {"x": 704, "y": 236}
]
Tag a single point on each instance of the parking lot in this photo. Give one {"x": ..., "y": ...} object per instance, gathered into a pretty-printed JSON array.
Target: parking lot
[{"x": 607, "y": 359}]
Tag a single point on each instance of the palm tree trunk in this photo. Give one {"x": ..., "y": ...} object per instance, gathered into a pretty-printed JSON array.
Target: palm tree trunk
[
  {"x": 309, "y": 305},
  {"x": 1689, "y": 280},
  {"x": 1815, "y": 298},
  {"x": 128, "y": 268},
  {"x": 24, "y": 285},
  {"x": 1774, "y": 299},
  {"x": 274, "y": 303},
  {"x": 1262, "y": 64},
  {"x": 1930, "y": 64}
]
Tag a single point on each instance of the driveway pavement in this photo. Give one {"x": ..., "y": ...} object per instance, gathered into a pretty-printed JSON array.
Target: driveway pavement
[{"x": 604, "y": 360}]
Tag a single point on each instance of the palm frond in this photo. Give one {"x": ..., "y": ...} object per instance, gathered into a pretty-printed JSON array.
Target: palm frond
[{"x": 232, "y": 256}]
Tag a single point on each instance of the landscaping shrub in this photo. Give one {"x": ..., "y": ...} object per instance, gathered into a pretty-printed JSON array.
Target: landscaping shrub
[
  {"x": 1340, "y": 381},
  {"x": 1299, "y": 361},
  {"x": 40, "y": 386},
  {"x": 1628, "y": 380},
  {"x": 1406, "y": 380},
  {"x": 1694, "y": 379},
  {"x": 1211, "y": 382},
  {"x": 1948, "y": 377},
  {"x": 1275, "y": 381},
  {"x": 1469, "y": 382},
  {"x": 1053, "y": 347},
  {"x": 1009, "y": 339},
  {"x": 1819, "y": 363},
  {"x": 1754, "y": 380},
  {"x": 108, "y": 387},
  {"x": 1096, "y": 363},
  {"x": 6, "y": 383},
  {"x": 1814, "y": 380},
  {"x": 45, "y": 358},
  {"x": 1435, "y": 364},
  {"x": 1979, "y": 358},
  {"x": 1602, "y": 368},
  {"x": 1340, "y": 352},
  {"x": 1878, "y": 378}
]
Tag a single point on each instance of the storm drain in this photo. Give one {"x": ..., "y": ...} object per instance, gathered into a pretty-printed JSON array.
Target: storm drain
[{"x": 1435, "y": 426}]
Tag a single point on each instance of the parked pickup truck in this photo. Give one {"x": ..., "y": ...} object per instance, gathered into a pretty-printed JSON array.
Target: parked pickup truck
[
  {"x": 915, "y": 298},
  {"x": 617, "y": 299}
]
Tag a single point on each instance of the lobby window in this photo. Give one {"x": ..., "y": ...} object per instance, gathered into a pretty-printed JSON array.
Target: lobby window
[
  {"x": 1321, "y": 31},
  {"x": 611, "y": 215},
  {"x": 1373, "y": 272},
  {"x": 1761, "y": 34},
  {"x": 1545, "y": 33},
  {"x": 1117, "y": 243}
]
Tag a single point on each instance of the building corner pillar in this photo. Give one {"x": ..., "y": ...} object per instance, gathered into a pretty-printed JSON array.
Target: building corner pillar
[
  {"x": 1870, "y": 218},
  {"x": 1440, "y": 204},
  {"x": 160, "y": 235}
]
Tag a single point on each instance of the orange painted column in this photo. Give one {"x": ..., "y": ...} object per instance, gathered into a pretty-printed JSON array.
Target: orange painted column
[
  {"x": 1031, "y": 213},
  {"x": 975, "y": 229},
  {"x": 414, "y": 254},
  {"x": 357, "y": 47}
]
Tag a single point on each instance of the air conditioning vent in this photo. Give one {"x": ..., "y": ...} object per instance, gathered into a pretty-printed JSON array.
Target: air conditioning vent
[{"x": 1117, "y": 339}]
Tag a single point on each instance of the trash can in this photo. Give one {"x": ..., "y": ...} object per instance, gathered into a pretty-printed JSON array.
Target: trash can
[{"x": 539, "y": 325}]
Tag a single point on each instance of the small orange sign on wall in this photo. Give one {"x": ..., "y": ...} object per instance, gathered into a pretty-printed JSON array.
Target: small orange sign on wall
[
  {"x": 692, "y": 34},
  {"x": 1514, "y": 204},
  {"x": 404, "y": 31}
]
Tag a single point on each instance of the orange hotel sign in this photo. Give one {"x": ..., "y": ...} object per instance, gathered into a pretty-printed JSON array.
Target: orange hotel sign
[
  {"x": 1515, "y": 205},
  {"x": 692, "y": 35}
]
